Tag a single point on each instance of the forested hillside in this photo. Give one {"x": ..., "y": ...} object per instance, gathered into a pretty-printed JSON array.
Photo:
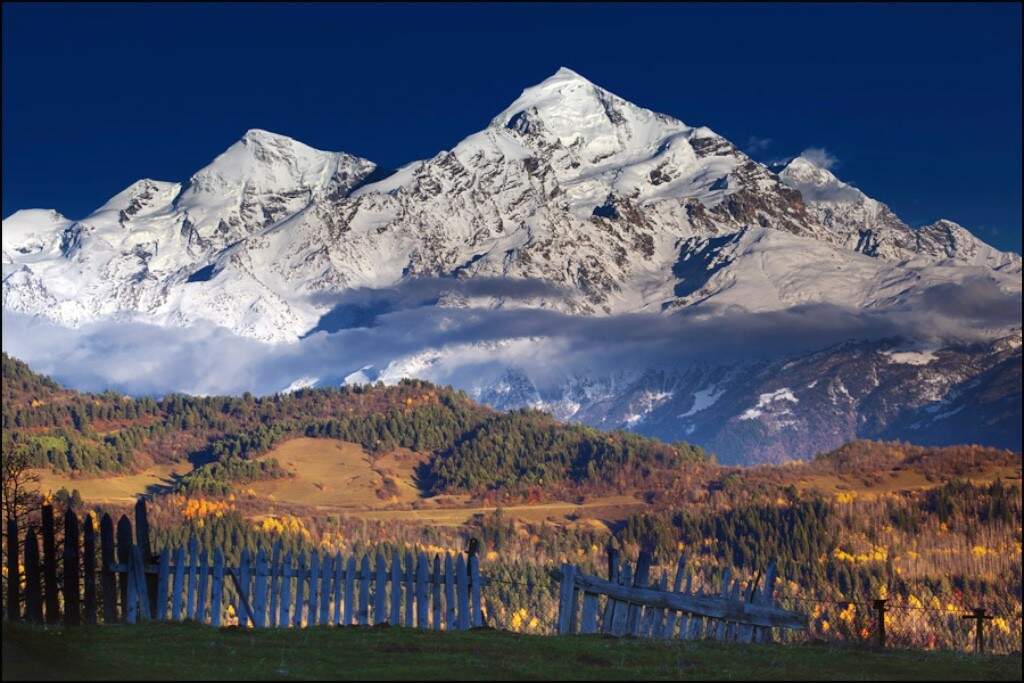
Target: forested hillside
[{"x": 474, "y": 448}]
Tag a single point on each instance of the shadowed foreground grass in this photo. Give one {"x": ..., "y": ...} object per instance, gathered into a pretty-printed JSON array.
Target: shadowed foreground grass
[{"x": 190, "y": 651}]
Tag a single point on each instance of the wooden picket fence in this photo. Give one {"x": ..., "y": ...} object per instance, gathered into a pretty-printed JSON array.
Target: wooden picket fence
[
  {"x": 632, "y": 608},
  {"x": 189, "y": 583}
]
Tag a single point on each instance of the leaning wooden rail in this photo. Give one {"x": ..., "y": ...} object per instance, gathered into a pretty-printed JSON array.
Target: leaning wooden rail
[
  {"x": 707, "y": 606},
  {"x": 632, "y": 607}
]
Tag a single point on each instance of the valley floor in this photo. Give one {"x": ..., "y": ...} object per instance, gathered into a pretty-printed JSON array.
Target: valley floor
[{"x": 194, "y": 652}]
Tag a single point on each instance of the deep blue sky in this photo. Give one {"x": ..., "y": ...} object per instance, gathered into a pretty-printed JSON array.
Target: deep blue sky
[{"x": 920, "y": 104}]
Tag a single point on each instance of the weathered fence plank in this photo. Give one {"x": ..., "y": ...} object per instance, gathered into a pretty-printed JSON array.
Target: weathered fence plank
[
  {"x": 124, "y": 555},
  {"x": 275, "y": 583},
  {"x": 410, "y": 590},
  {"x": 613, "y": 576},
  {"x": 380, "y": 595},
  {"x": 655, "y": 625},
  {"x": 619, "y": 618},
  {"x": 314, "y": 588},
  {"x": 326, "y": 574},
  {"x": 204, "y": 578},
  {"x": 13, "y": 573},
  {"x": 475, "y": 585},
  {"x": 286, "y": 590},
  {"x": 72, "y": 568},
  {"x": 50, "y": 566},
  {"x": 178, "y": 584},
  {"x": 160, "y": 613},
  {"x": 139, "y": 586},
  {"x": 462, "y": 588},
  {"x": 588, "y": 619},
  {"x": 677, "y": 583},
  {"x": 565, "y": 601},
  {"x": 142, "y": 540},
  {"x": 217, "y": 589},
  {"x": 193, "y": 577},
  {"x": 350, "y": 589},
  {"x": 396, "y": 590},
  {"x": 449, "y": 593},
  {"x": 640, "y": 579},
  {"x": 108, "y": 589},
  {"x": 244, "y": 595},
  {"x": 767, "y": 599},
  {"x": 339, "y": 578},
  {"x": 422, "y": 604},
  {"x": 259, "y": 606},
  {"x": 364, "y": 591},
  {"x": 33, "y": 579},
  {"x": 435, "y": 593},
  {"x": 299, "y": 584}
]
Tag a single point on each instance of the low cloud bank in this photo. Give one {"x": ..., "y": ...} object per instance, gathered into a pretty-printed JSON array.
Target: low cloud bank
[{"x": 475, "y": 343}]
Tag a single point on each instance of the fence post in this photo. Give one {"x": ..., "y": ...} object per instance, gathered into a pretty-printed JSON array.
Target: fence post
[
  {"x": 72, "y": 595},
  {"x": 13, "y": 580},
  {"x": 880, "y": 608},
  {"x": 979, "y": 616},
  {"x": 50, "y": 566},
  {"x": 33, "y": 580}
]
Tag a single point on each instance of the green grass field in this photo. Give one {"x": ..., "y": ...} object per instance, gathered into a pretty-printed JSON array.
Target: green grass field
[{"x": 191, "y": 652}]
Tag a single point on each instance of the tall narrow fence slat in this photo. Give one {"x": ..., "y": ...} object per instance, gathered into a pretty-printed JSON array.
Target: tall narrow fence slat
[
  {"x": 656, "y": 623},
  {"x": 204, "y": 582},
  {"x": 286, "y": 590},
  {"x": 299, "y": 588},
  {"x": 163, "y": 573},
  {"x": 72, "y": 569},
  {"x": 275, "y": 583},
  {"x": 13, "y": 573},
  {"x": 178, "y": 584},
  {"x": 364, "y": 591},
  {"x": 410, "y": 590},
  {"x": 142, "y": 540},
  {"x": 217, "y": 588},
  {"x": 124, "y": 555},
  {"x": 620, "y": 617},
  {"x": 88, "y": 571},
  {"x": 767, "y": 599},
  {"x": 640, "y": 579},
  {"x": 259, "y": 606},
  {"x": 449, "y": 593},
  {"x": 326, "y": 574},
  {"x": 50, "y": 566},
  {"x": 462, "y": 587},
  {"x": 719, "y": 632},
  {"x": 193, "y": 577},
  {"x": 380, "y": 598},
  {"x": 108, "y": 585},
  {"x": 435, "y": 593},
  {"x": 140, "y": 586},
  {"x": 422, "y": 606},
  {"x": 339, "y": 578},
  {"x": 613, "y": 575},
  {"x": 314, "y": 588},
  {"x": 672, "y": 615},
  {"x": 588, "y": 619},
  {"x": 33, "y": 579},
  {"x": 350, "y": 589},
  {"x": 259, "y": 591},
  {"x": 244, "y": 594},
  {"x": 565, "y": 601},
  {"x": 396, "y": 590},
  {"x": 475, "y": 614},
  {"x": 684, "y": 617}
]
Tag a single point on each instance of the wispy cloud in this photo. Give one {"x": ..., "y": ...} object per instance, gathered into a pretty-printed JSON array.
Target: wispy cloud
[
  {"x": 820, "y": 157},
  {"x": 758, "y": 144},
  {"x": 203, "y": 359}
]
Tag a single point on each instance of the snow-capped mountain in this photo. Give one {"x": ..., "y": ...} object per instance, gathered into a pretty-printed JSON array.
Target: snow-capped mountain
[{"x": 626, "y": 210}]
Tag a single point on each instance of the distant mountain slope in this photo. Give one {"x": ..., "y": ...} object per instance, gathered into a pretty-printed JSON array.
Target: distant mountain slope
[{"x": 617, "y": 210}]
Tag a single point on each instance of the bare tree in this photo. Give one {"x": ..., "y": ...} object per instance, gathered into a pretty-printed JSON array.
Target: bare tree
[{"x": 20, "y": 490}]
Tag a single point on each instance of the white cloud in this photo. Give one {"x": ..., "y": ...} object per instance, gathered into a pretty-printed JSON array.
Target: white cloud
[{"x": 820, "y": 157}]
